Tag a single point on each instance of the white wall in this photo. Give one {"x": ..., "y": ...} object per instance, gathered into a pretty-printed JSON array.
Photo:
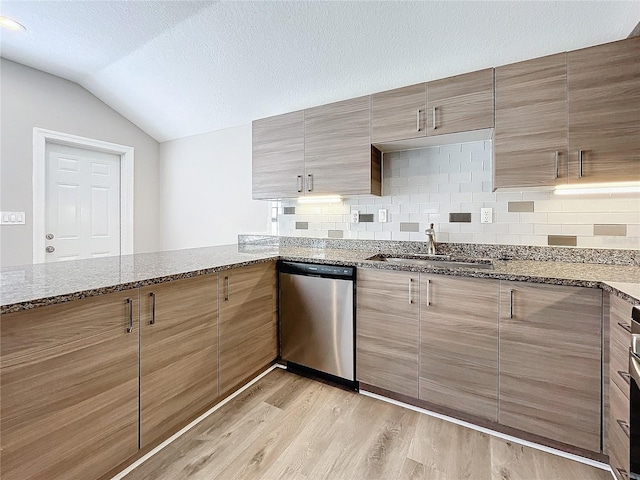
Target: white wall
[
  {"x": 30, "y": 98},
  {"x": 205, "y": 186}
]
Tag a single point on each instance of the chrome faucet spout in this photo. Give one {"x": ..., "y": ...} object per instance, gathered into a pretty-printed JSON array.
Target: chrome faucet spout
[{"x": 431, "y": 239}]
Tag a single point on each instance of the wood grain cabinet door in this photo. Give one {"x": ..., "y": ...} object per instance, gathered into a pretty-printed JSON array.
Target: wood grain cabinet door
[
  {"x": 550, "y": 361},
  {"x": 278, "y": 156},
  {"x": 399, "y": 114},
  {"x": 459, "y": 344},
  {"x": 338, "y": 152},
  {"x": 69, "y": 379},
  {"x": 387, "y": 330},
  {"x": 178, "y": 354},
  {"x": 604, "y": 112},
  {"x": 461, "y": 103},
  {"x": 248, "y": 322},
  {"x": 530, "y": 144}
]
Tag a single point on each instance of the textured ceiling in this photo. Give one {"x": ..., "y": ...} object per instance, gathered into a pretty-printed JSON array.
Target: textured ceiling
[{"x": 179, "y": 68}]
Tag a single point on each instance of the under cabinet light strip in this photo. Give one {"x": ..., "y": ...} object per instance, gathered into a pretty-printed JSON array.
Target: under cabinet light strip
[
  {"x": 320, "y": 199},
  {"x": 604, "y": 188},
  {"x": 493, "y": 433},
  {"x": 177, "y": 435}
]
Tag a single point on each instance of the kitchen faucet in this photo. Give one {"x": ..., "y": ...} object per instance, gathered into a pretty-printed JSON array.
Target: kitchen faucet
[{"x": 431, "y": 238}]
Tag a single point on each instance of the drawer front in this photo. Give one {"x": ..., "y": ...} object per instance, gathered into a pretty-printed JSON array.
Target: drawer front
[
  {"x": 619, "y": 356},
  {"x": 618, "y": 431}
]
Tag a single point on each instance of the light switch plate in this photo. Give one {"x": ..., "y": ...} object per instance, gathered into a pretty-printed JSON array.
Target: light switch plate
[
  {"x": 486, "y": 215},
  {"x": 355, "y": 216},
  {"x": 12, "y": 218},
  {"x": 382, "y": 215}
]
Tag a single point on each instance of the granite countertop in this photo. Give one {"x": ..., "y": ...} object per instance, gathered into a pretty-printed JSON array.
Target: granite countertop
[{"x": 31, "y": 286}]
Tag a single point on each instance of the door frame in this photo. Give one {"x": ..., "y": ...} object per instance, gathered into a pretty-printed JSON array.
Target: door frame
[{"x": 43, "y": 136}]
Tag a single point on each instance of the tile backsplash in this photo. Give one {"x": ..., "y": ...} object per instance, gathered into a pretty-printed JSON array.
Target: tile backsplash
[{"x": 429, "y": 185}]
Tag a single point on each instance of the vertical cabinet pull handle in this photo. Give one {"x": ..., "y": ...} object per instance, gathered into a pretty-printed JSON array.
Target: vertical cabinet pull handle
[
  {"x": 625, "y": 427},
  {"x": 556, "y": 172},
  {"x": 623, "y": 473},
  {"x": 299, "y": 183},
  {"x": 130, "y": 325},
  {"x": 309, "y": 182},
  {"x": 418, "y": 120},
  {"x": 410, "y": 291},
  {"x": 510, "y": 303},
  {"x": 625, "y": 376},
  {"x": 580, "y": 162},
  {"x": 434, "y": 118},
  {"x": 627, "y": 327},
  {"x": 153, "y": 308},
  {"x": 428, "y": 292},
  {"x": 226, "y": 289}
]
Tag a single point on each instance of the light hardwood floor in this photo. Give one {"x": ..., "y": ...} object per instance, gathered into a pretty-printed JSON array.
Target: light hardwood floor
[{"x": 289, "y": 427}]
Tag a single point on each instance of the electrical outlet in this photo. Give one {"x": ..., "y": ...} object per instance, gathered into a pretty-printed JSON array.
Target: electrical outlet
[
  {"x": 355, "y": 216},
  {"x": 486, "y": 215},
  {"x": 382, "y": 215}
]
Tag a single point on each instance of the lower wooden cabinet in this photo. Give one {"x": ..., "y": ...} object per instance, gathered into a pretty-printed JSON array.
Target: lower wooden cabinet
[
  {"x": 387, "y": 330},
  {"x": 248, "y": 322},
  {"x": 459, "y": 344},
  {"x": 550, "y": 362},
  {"x": 178, "y": 354},
  {"x": 69, "y": 380}
]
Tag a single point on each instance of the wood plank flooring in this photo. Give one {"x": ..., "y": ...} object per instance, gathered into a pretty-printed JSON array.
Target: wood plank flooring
[{"x": 289, "y": 427}]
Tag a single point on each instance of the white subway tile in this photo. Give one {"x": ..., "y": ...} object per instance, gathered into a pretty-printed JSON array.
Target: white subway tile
[
  {"x": 508, "y": 239},
  {"x": 535, "y": 240},
  {"x": 450, "y": 168},
  {"x": 366, "y": 236},
  {"x": 482, "y": 176},
  {"x": 548, "y": 229},
  {"x": 397, "y": 235},
  {"x": 382, "y": 235},
  {"x": 533, "y": 217},
  {"x": 520, "y": 228},
  {"x": 484, "y": 197},
  {"x": 580, "y": 230},
  {"x": 455, "y": 148},
  {"x": 461, "y": 238},
  {"x": 534, "y": 196},
  {"x": 417, "y": 236},
  {"x": 506, "y": 217},
  {"x": 427, "y": 189},
  {"x": 327, "y": 226},
  {"x": 409, "y": 208},
  {"x": 547, "y": 206},
  {"x": 473, "y": 146},
  {"x": 482, "y": 157},
  {"x": 449, "y": 188},
  {"x": 373, "y": 227},
  {"x": 464, "y": 177}
]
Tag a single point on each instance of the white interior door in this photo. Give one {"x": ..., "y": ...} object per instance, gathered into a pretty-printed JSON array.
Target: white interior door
[{"x": 82, "y": 203}]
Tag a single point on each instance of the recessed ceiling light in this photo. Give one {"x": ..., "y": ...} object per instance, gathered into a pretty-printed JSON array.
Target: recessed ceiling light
[{"x": 11, "y": 24}]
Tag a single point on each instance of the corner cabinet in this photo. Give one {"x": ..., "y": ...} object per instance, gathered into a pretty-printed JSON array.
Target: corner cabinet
[
  {"x": 248, "y": 322},
  {"x": 550, "y": 362},
  {"x": 278, "y": 156},
  {"x": 178, "y": 354},
  {"x": 530, "y": 143},
  {"x": 604, "y": 112},
  {"x": 387, "y": 330},
  {"x": 69, "y": 379}
]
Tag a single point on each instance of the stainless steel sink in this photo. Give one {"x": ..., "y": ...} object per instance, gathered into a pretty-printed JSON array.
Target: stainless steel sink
[{"x": 435, "y": 261}]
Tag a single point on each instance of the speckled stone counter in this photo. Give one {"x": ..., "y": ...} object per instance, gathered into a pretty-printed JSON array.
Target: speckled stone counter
[{"x": 31, "y": 286}]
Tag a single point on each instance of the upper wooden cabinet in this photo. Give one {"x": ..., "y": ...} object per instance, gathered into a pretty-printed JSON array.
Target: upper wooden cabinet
[
  {"x": 461, "y": 103},
  {"x": 387, "y": 329},
  {"x": 530, "y": 143},
  {"x": 278, "y": 156},
  {"x": 550, "y": 361},
  {"x": 248, "y": 322},
  {"x": 604, "y": 112},
  {"x": 69, "y": 380},
  {"x": 399, "y": 114},
  {"x": 459, "y": 344},
  {"x": 178, "y": 354},
  {"x": 338, "y": 153}
]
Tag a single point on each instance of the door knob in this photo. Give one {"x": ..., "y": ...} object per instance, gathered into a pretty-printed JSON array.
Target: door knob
[
  {"x": 50, "y": 249},
  {"x": 49, "y": 236}
]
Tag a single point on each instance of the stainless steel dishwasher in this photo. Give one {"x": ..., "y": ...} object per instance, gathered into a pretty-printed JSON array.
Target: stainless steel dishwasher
[{"x": 317, "y": 318}]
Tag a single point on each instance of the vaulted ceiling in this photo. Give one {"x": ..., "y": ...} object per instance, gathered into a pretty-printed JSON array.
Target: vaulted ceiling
[{"x": 179, "y": 68}]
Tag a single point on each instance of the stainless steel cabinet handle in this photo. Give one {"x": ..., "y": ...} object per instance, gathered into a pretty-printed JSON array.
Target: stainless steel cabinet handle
[
  {"x": 428, "y": 302},
  {"x": 418, "y": 120},
  {"x": 625, "y": 326},
  {"x": 510, "y": 303},
  {"x": 625, "y": 427},
  {"x": 410, "y": 291},
  {"x": 625, "y": 376},
  {"x": 557, "y": 155},
  {"x": 226, "y": 289},
  {"x": 153, "y": 308},
  {"x": 130, "y": 326},
  {"x": 434, "y": 118},
  {"x": 580, "y": 161},
  {"x": 299, "y": 183},
  {"x": 309, "y": 182}
]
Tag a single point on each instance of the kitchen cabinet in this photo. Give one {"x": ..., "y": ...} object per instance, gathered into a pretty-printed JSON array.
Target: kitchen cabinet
[
  {"x": 178, "y": 354},
  {"x": 399, "y": 114},
  {"x": 248, "y": 322},
  {"x": 387, "y": 330},
  {"x": 604, "y": 124},
  {"x": 278, "y": 156},
  {"x": 459, "y": 344},
  {"x": 461, "y": 103},
  {"x": 619, "y": 382},
  {"x": 530, "y": 142},
  {"x": 550, "y": 362},
  {"x": 339, "y": 158},
  {"x": 69, "y": 379}
]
